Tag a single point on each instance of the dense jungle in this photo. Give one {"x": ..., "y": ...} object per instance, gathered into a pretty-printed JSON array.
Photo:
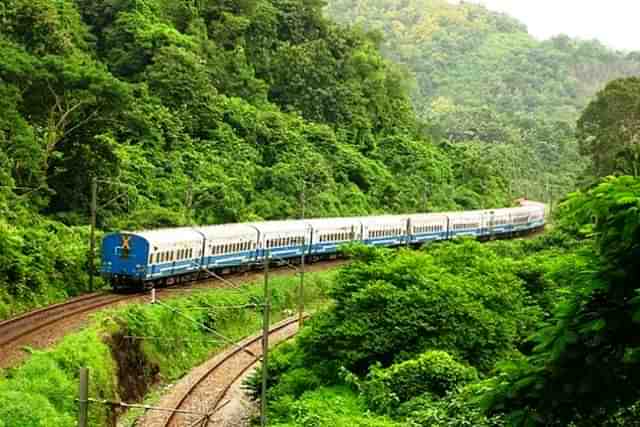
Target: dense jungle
[{"x": 216, "y": 111}]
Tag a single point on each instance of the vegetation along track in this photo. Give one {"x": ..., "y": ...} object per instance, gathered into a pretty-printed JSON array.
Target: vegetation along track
[
  {"x": 17, "y": 328},
  {"x": 43, "y": 327},
  {"x": 204, "y": 391}
]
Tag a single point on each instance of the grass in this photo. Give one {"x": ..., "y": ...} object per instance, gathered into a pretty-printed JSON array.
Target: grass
[{"x": 42, "y": 391}]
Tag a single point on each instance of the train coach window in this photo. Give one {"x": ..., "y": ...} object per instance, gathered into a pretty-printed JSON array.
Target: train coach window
[{"x": 151, "y": 259}]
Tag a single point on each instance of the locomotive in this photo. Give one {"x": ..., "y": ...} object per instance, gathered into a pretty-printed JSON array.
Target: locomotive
[{"x": 144, "y": 259}]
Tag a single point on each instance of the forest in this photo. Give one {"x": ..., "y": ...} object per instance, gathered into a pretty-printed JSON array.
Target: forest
[
  {"x": 223, "y": 111},
  {"x": 532, "y": 332},
  {"x": 214, "y": 111},
  {"x": 202, "y": 112},
  {"x": 479, "y": 76}
]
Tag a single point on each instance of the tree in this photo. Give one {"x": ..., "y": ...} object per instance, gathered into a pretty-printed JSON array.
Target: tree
[
  {"x": 609, "y": 129},
  {"x": 586, "y": 363}
]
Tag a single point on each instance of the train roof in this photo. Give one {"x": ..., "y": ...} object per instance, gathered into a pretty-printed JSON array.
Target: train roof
[
  {"x": 286, "y": 226},
  {"x": 221, "y": 231},
  {"x": 327, "y": 223},
  {"x": 167, "y": 235}
]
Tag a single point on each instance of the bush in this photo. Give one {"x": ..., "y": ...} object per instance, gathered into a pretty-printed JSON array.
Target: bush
[
  {"x": 453, "y": 411},
  {"x": 397, "y": 304},
  {"x": 329, "y": 406},
  {"x": 434, "y": 372},
  {"x": 41, "y": 392}
]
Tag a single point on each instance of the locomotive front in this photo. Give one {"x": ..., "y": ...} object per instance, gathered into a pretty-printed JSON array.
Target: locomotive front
[{"x": 124, "y": 259}]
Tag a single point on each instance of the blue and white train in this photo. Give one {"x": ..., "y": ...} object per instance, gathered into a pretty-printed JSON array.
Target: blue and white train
[{"x": 135, "y": 260}]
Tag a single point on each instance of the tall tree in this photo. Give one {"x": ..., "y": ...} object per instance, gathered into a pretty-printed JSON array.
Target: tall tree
[{"x": 609, "y": 129}]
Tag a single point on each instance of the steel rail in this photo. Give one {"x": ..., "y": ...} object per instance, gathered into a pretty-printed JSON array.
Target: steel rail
[{"x": 237, "y": 350}]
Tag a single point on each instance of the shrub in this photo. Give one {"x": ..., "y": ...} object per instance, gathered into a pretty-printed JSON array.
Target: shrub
[
  {"x": 433, "y": 372},
  {"x": 453, "y": 411},
  {"x": 397, "y": 304},
  {"x": 329, "y": 406}
]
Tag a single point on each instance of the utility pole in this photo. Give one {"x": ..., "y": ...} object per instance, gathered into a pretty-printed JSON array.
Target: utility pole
[
  {"x": 189, "y": 200},
  {"x": 302, "y": 261},
  {"x": 265, "y": 341},
  {"x": 83, "y": 397},
  {"x": 92, "y": 250}
]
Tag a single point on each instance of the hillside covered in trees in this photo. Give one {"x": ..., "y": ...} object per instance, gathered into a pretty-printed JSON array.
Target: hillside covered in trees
[
  {"x": 523, "y": 333},
  {"x": 222, "y": 111},
  {"x": 480, "y": 76},
  {"x": 208, "y": 112}
]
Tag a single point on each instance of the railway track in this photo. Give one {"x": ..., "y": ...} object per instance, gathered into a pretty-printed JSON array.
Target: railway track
[
  {"x": 13, "y": 330},
  {"x": 205, "y": 390},
  {"x": 43, "y": 327}
]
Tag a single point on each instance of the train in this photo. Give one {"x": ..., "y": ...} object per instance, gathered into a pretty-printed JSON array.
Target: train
[{"x": 145, "y": 259}]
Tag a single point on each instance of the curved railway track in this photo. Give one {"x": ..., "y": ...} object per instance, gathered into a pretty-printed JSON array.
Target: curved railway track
[
  {"x": 42, "y": 327},
  {"x": 205, "y": 393},
  {"x": 14, "y": 329}
]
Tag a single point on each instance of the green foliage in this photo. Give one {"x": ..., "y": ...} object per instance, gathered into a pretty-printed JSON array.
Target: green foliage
[
  {"x": 456, "y": 410},
  {"x": 40, "y": 392},
  {"x": 479, "y": 76},
  {"x": 433, "y": 372},
  {"x": 585, "y": 363},
  {"x": 237, "y": 107},
  {"x": 391, "y": 306},
  {"x": 335, "y": 406},
  {"x": 419, "y": 335},
  {"x": 607, "y": 129},
  {"x": 40, "y": 264}
]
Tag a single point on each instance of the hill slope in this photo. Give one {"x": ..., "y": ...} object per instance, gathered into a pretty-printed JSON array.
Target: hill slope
[
  {"x": 209, "y": 111},
  {"x": 480, "y": 76}
]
